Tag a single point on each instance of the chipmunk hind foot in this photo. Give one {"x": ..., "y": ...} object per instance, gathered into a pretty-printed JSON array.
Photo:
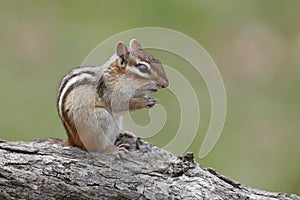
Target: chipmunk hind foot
[{"x": 119, "y": 151}]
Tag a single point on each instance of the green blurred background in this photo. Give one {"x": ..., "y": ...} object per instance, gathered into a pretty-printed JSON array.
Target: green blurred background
[{"x": 256, "y": 45}]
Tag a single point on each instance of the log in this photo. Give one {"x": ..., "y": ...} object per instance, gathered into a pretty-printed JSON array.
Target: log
[{"x": 44, "y": 169}]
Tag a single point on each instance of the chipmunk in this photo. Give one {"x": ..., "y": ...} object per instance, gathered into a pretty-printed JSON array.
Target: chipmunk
[{"x": 92, "y": 100}]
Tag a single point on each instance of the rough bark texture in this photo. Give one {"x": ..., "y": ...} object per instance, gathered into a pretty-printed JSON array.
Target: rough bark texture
[{"x": 44, "y": 170}]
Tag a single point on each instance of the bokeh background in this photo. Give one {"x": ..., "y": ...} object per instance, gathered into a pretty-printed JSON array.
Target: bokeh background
[{"x": 256, "y": 45}]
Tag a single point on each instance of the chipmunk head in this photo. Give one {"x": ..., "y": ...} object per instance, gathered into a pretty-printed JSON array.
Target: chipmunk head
[{"x": 140, "y": 67}]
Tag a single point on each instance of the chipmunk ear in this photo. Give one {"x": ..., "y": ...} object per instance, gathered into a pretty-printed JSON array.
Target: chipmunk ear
[
  {"x": 134, "y": 45},
  {"x": 121, "y": 49},
  {"x": 123, "y": 53}
]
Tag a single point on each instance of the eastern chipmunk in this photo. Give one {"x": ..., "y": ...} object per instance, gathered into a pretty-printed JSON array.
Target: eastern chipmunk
[{"x": 91, "y": 100}]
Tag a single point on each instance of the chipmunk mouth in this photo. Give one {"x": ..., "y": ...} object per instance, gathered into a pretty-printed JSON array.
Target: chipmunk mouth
[{"x": 153, "y": 90}]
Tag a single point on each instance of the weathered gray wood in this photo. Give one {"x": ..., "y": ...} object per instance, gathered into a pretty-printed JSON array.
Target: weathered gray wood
[{"x": 43, "y": 170}]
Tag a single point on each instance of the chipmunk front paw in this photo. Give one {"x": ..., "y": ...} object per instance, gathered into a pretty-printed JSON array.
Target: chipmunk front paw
[
  {"x": 138, "y": 103},
  {"x": 150, "y": 102}
]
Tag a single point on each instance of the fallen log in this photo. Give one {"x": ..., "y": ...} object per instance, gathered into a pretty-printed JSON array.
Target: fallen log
[{"x": 44, "y": 169}]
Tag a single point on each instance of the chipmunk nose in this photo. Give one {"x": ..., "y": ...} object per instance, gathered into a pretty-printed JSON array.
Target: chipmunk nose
[{"x": 163, "y": 84}]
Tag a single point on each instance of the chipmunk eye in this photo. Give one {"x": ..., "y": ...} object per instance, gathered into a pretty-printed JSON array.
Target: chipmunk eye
[{"x": 143, "y": 68}]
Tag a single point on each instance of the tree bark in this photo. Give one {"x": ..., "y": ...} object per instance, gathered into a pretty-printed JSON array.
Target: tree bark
[{"x": 45, "y": 169}]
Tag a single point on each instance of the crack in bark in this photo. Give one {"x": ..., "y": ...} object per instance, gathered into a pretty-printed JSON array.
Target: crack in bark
[{"x": 21, "y": 151}]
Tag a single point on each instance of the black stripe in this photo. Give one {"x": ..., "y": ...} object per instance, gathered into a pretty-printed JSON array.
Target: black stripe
[{"x": 101, "y": 87}]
